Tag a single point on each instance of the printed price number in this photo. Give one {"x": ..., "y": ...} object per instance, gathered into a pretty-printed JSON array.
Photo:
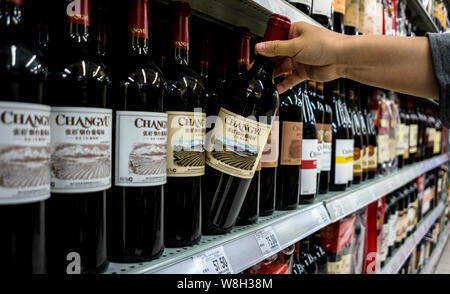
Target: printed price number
[
  {"x": 214, "y": 261},
  {"x": 267, "y": 241}
]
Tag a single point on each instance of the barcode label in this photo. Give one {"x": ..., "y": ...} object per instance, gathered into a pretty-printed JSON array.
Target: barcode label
[
  {"x": 214, "y": 261},
  {"x": 268, "y": 241}
]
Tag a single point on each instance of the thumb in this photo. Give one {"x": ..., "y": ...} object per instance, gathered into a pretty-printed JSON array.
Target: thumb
[{"x": 285, "y": 48}]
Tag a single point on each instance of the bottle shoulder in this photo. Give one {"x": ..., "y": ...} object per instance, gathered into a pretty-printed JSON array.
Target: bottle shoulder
[
  {"x": 17, "y": 58},
  {"x": 139, "y": 71}
]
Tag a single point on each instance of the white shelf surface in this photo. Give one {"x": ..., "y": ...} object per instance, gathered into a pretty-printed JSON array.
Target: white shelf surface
[
  {"x": 401, "y": 254},
  {"x": 241, "y": 245},
  {"x": 433, "y": 261}
]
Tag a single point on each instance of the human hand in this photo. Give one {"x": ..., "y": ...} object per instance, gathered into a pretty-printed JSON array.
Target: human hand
[{"x": 312, "y": 53}]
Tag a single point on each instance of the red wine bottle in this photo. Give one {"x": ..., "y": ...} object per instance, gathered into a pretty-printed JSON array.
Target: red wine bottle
[
  {"x": 249, "y": 105},
  {"x": 338, "y": 7},
  {"x": 325, "y": 135},
  {"x": 362, "y": 94},
  {"x": 291, "y": 130},
  {"x": 413, "y": 131},
  {"x": 81, "y": 130},
  {"x": 185, "y": 102},
  {"x": 135, "y": 202},
  {"x": 302, "y": 5},
  {"x": 308, "y": 172},
  {"x": 343, "y": 88},
  {"x": 372, "y": 151},
  {"x": 319, "y": 115},
  {"x": 24, "y": 147},
  {"x": 341, "y": 151},
  {"x": 357, "y": 133}
]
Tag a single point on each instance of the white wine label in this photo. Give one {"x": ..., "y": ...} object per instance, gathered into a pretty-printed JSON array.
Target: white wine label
[
  {"x": 306, "y": 2},
  {"x": 413, "y": 133},
  {"x": 326, "y": 136},
  {"x": 385, "y": 242},
  {"x": 24, "y": 152},
  {"x": 406, "y": 143},
  {"x": 400, "y": 148},
  {"x": 308, "y": 184},
  {"x": 357, "y": 162},
  {"x": 437, "y": 142},
  {"x": 350, "y": 146},
  {"x": 186, "y": 144},
  {"x": 344, "y": 155},
  {"x": 291, "y": 143},
  {"x": 372, "y": 160},
  {"x": 392, "y": 229},
  {"x": 236, "y": 144},
  {"x": 269, "y": 157},
  {"x": 141, "y": 142},
  {"x": 322, "y": 7},
  {"x": 81, "y": 149}
]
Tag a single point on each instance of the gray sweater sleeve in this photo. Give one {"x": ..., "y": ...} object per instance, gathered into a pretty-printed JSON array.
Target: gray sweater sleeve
[{"x": 440, "y": 51}]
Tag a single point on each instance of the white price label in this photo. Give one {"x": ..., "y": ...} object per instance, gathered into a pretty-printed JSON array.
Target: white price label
[
  {"x": 321, "y": 215},
  {"x": 338, "y": 208},
  {"x": 214, "y": 261},
  {"x": 268, "y": 241}
]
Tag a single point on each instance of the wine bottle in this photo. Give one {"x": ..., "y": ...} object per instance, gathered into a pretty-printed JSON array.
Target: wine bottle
[
  {"x": 298, "y": 268},
  {"x": 291, "y": 135},
  {"x": 357, "y": 135},
  {"x": 325, "y": 135},
  {"x": 319, "y": 114},
  {"x": 372, "y": 152},
  {"x": 81, "y": 132},
  {"x": 319, "y": 254},
  {"x": 135, "y": 202},
  {"x": 321, "y": 12},
  {"x": 413, "y": 131},
  {"x": 305, "y": 257},
  {"x": 24, "y": 147},
  {"x": 438, "y": 135},
  {"x": 249, "y": 212},
  {"x": 341, "y": 151},
  {"x": 362, "y": 94},
  {"x": 407, "y": 123},
  {"x": 308, "y": 171},
  {"x": 249, "y": 105},
  {"x": 430, "y": 133},
  {"x": 348, "y": 123},
  {"x": 186, "y": 95},
  {"x": 351, "y": 18},
  {"x": 402, "y": 129},
  {"x": 302, "y": 5},
  {"x": 421, "y": 131},
  {"x": 269, "y": 166},
  {"x": 338, "y": 7}
]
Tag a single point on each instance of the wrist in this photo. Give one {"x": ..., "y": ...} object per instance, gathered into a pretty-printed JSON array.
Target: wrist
[{"x": 344, "y": 46}]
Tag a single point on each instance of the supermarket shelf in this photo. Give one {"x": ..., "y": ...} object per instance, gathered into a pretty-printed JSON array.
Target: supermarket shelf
[
  {"x": 250, "y": 13},
  {"x": 424, "y": 20},
  {"x": 401, "y": 255},
  {"x": 433, "y": 261},
  {"x": 241, "y": 246},
  {"x": 341, "y": 204}
]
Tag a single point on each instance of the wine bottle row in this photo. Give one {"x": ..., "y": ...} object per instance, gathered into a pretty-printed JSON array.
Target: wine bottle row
[{"x": 109, "y": 156}]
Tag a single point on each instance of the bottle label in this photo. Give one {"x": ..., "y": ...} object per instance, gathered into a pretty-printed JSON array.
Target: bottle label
[
  {"x": 413, "y": 130},
  {"x": 430, "y": 133},
  {"x": 309, "y": 167},
  {"x": 138, "y": 20},
  {"x": 185, "y": 144},
  {"x": 383, "y": 148},
  {"x": 372, "y": 161},
  {"x": 343, "y": 156},
  {"x": 141, "y": 142},
  {"x": 437, "y": 142},
  {"x": 351, "y": 17},
  {"x": 322, "y": 7},
  {"x": 357, "y": 162},
  {"x": 334, "y": 267},
  {"x": 365, "y": 158},
  {"x": 78, "y": 11},
  {"x": 270, "y": 153},
  {"x": 325, "y": 135},
  {"x": 406, "y": 143},
  {"x": 291, "y": 144},
  {"x": 24, "y": 152},
  {"x": 306, "y": 2},
  {"x": 401, "y": 139},
  {"x": 81, "y": 149},
  {"x": 398, "y": 237},
  {"x": 392, "y": 229},
  {"x": 236, "y": 144},
  {"x": 350, "y": 146},
  {"x": 339, "y": 6}
]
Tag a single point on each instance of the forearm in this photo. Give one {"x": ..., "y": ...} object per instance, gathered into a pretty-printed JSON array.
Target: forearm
[{"x": 401, "y": 64}]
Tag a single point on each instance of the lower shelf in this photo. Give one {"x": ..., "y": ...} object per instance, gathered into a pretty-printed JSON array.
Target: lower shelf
[
  {"x": 399, "y": 257},
  {"x": 433, "y": 261}
]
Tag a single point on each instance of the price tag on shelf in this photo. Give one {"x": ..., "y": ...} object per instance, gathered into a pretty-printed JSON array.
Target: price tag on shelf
[
  {"x": 321, "y": 216},
  {"x": 337, "y": 209},
  {"x": 267, "y": 241},
  {"x": 214, "y": 261}
]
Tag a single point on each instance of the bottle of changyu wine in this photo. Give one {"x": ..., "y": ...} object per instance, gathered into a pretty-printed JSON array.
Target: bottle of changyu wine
[{"x": 249, "y": 105}]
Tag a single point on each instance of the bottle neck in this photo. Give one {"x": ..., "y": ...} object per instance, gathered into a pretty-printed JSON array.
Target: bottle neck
[
  {"x": 243, "y": 59},
  {"x": 138, "y": 27},
  {"x": 77, "y": 15},
  {"x": 180, "y": 38},
  {"x": 264, "y": 66},
  {"x": 204, "y": 60}
]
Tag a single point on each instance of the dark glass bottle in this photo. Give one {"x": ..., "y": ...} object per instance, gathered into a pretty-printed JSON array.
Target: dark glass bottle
[
  {"x": 269, "y": 166},
  {"x": 321, "y": 12},
  {"x": 362, "y": 94},
  {"x": 185, "y": 102},
  {"x": 340, "y": 149},
  {"x": 135, "y": 202},
  {"x": 249, "y": 100},
  {"x": 326, "y": 137},
  {"x": 372, "y": 152},
  {"x": 308, "y": 171},
  {"x": 343, "y": 87},
  {"x": 298, "y": 268},
  {"x": 351, "y": 18},
  {"x": 338, "y": 15},
  {"x": 319, "y": 254},
  {"x": 82, "y": 125},
  {"x": 413, "y": 131},
  {"x": 250, "y": 208},
  {"x": 357, "y": 133},
  {"x": 407, "y": 123},
  {"x": 291, "y": 130},
  {"x": 422, "y": 122},
  {"x": 306, "y": 258},
  {"x": 393, "y": 207},
  {"x": 400, "y": 217},
  {"x": 302, "y": 5},
  {"x": 430, "y": 133},
  {"x": 25, "y": 177},
  {"x": 319, "y": 115}
]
